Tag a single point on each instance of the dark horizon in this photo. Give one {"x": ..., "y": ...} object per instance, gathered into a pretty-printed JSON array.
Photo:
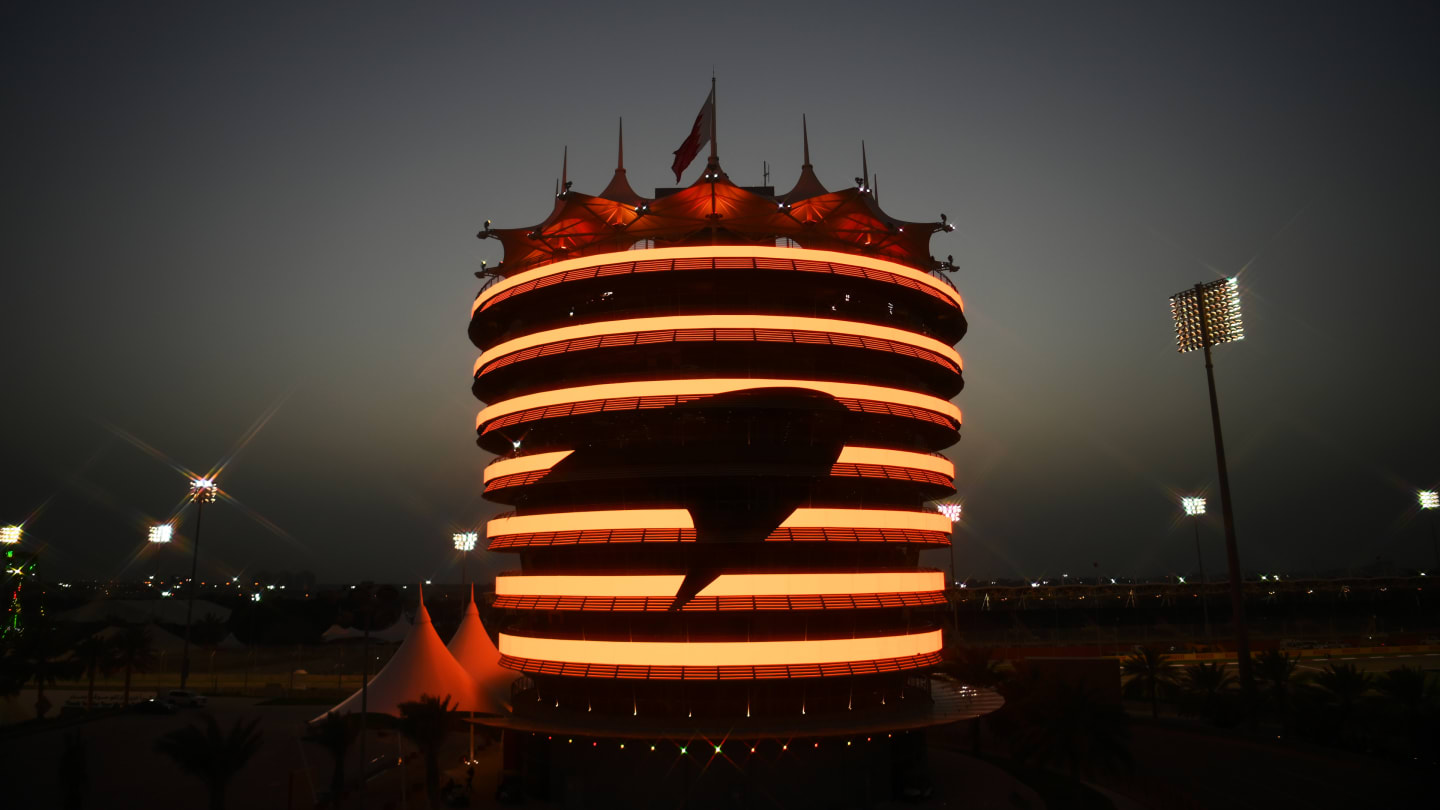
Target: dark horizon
[{"x": 261, "y": 224}]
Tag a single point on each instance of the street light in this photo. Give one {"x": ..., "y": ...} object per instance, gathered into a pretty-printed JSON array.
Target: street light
[
  {"x": 1194, "y": 506},
  {"x": 1430, "y": 502},
  {"x": 9, "y": 535},
  {"x": 202, "y": 491},
  {"x": 1207, "y": 315},
  {"x": 464, "y": 543}
]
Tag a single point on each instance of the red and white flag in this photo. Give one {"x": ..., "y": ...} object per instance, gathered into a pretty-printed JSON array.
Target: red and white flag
[{"x": 698, "y": 137}]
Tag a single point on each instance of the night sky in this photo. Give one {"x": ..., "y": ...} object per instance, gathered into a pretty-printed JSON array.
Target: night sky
[{"x": 245, "y": 232}]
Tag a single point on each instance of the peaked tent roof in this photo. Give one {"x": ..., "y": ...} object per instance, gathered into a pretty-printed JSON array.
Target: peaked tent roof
[
  {"x": 472, "y": 647},
  {"x": 422, "y": 665}
]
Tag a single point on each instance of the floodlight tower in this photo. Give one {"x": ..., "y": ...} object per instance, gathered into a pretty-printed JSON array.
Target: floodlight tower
[
  {"x": 202, "y": 491},
  {"x": 10, "y": 535},
  {"x": 464, "y": 543},
  {"x": 1208, "y": 315},
  {"x": 1430, "y": 502},
  {"x": 1194, "y": 506}
]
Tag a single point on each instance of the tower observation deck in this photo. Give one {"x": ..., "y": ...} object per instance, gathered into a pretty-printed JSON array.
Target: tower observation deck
[{"x": 717, "y": 415}]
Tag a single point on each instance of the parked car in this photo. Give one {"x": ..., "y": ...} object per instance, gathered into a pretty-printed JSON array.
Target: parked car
[{"x": 186, "y": 697}]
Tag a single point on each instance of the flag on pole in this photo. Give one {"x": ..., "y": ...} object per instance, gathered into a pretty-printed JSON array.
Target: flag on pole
[{"x": 698, "y": 137}]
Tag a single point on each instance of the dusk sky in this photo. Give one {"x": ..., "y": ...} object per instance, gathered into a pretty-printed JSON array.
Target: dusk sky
[{"x": 247, "y": 231}]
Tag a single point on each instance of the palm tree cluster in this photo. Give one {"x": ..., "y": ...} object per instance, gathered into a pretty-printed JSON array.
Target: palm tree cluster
[
  {"x": 1339, "y": 704},
  {"x": 213, "y": 755}
]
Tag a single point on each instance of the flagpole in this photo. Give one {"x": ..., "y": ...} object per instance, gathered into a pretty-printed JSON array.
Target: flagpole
[{"x": 714, "y": 149}]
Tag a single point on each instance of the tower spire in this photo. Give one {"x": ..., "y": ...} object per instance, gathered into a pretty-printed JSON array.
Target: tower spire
[
  {"x": 805, "y": 136},
  {"x": 864, "y": 167},
  {"x": 565, "y": 171},
  {"x": 620, "y": 161},
  {"x": 714, "y": 148}
]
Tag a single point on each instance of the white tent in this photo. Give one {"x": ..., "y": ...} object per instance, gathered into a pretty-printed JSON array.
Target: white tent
[
  {"x": 337, "y": 633},
  {"x": 397, "y": 632},
  {"x": 472, "y": 647},
  {"x": 422, "y": 665}
]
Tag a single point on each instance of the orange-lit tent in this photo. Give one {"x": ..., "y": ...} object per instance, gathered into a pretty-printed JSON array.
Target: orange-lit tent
[
  {"x": 422, "y": 666},
  {"x": 473, "y": 648}
]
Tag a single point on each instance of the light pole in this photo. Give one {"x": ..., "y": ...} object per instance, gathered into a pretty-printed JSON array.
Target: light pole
[
  {"x": 202, "y": 491},
  {"x": 1195, "y": 507},
  {"x": 1430, "y": 502},
  {"x": 464, "y": 543},
  {"x": 1207, "y": 315},
  {"x": 952, "y": 511}
]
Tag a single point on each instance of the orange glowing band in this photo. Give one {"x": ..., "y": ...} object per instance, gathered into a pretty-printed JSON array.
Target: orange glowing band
[
  {"x": 667, "y": 585},
  {"x": 501, "y": 468},
  {"x": 710, "y": 387},
  {"x": 524, "y": 464},
  {"x": 803, "y": 518},
  {"x": 719, "y": 653},
  {"x": 719, "y": 251},
  {"x": 896, "y": 458},
  {"x": 740, "y": 322},
  {"x": 608, "y": 519}
]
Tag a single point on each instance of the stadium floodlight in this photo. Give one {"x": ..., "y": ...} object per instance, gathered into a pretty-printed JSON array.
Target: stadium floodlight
[
  {"x": 464, "y": 543},
  {"x": 161, "y": 533},
  {"x": 203, "y": 490},
  {"x": 950, "y": 510},
  {"x": 1430, "y": 502},
  {"x": 1207, "y": 315},
  {"x": 9, "y": 535},
  {"x": 1194, "y": 506}
]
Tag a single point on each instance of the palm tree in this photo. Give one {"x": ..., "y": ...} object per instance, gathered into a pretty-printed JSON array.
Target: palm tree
[
  {"x": 1277, "y": 670},
  {"x": 1408, "y": 687},
  {"x": 1207, "y": 681},
  {"x": 213, "y": 756},
  {"x": 426, "y": 722},
  {"x": 134, "y": 652},
  {"x": 1346, "y": 685},
  {"x": 335, "y": 733},
  {"x": 96, "y": 654},
  {"x": 1065, "y": 726},
  {"x": 1148, "y": 672}
]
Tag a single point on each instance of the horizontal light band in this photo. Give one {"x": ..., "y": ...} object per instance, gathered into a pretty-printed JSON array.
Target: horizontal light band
[
  {"x": 717, "y": 251},
  {"x": 896, "y": 458},
  {"x": 682, "y": 322},
  {"x": 667, "y": 585},
  {"x": 719, "y": 653},
  {"x": 579, "y": 521},
  {"x": 710, "y": 387},
  {"x": 848, "y": 455},
  {"x": 803, "y": 518},
  {"x": 524, "y": 464}
]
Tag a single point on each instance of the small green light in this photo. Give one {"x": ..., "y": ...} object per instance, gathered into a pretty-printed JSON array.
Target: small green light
[
  {"x": 682, "y": 749},
  {"x": 717, "y": 749}
]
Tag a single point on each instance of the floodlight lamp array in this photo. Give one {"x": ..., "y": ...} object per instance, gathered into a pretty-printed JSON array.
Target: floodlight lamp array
[
  {"x": 203, "y": 490},
  {"x": 9, "y": 535},
  {"x": 1194, "y": 506},
  {"x": 1429, "y": 499},
  {"x": 465, "y": 541},
  {"x": 950, "y": 510},
  {"x": 1210, "y": 311},
  {"x": 161, "y": 533}
]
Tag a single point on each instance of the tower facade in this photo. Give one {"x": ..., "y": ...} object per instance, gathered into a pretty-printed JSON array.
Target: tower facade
[{"x": 717, "y": 414}]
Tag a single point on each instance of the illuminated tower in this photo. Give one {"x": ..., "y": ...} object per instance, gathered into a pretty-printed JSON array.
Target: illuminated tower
[{"x": 718, "y": 413}]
